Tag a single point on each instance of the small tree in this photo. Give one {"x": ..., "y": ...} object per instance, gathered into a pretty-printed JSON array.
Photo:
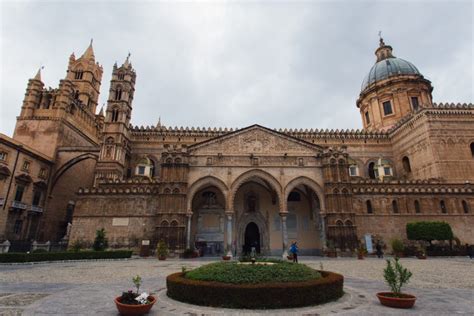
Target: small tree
[
  {"x": 100, "y": 242},
  {"x": 429, "y": 231},
  {"x": 162, "y": 249},
  {"x": 396, "y": 276}
]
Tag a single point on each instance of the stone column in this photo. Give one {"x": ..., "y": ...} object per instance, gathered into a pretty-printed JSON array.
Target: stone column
[
  {"x": 322, "y": 233},
  {"x": 229, "y": 234},
  {"x": 284, "y": 235},
  {"x": 188, "y": 231}
]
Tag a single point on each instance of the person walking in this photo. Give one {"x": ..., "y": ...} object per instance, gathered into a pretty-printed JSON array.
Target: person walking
[
  {"x": 378, "y": 250},
  {"x": 470, "y": 251},
  {"x": 294, "y": 251}
]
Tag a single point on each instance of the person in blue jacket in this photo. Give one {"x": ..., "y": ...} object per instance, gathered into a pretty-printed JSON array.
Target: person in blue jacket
[{"x": 294, "y": 251}]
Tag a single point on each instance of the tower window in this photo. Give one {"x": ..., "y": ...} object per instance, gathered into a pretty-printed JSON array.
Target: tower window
[
  {"x": 367, "y": 117},
  {"x": 394, "y": 206},
  {"x": 406, "y": 164},
  {"x": 369, "y": 207},
  {"x": 118, "y": 94},
  {"x": 472, "y": 149},
  {"x": 353, "y": 171},
  {"x": 78, "y": 75},
  {"x": 115, "y": 114},
  {"x": 442, "y": 206},
  {"x": 371, "y": 170},
  {"x": 387, "y": 108},
  {"x": 121, "y": 76},
  {"x": 417, "y": 207},
  {"x": 465, "y": 207},
  {"x": 414, "y": 103}
]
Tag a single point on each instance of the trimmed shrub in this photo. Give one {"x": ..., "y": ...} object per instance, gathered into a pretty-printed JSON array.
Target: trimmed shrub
[
  {"x": 429, "y": 231},
  {"x": 256, "y": 296},
  {"x": 59, "y": 256},
  {"x": 397, "y": 246},
  {"x": 100, "y": 242}
]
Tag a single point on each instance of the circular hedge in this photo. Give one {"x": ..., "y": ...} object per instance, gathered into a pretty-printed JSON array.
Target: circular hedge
[{"x": 270, "y": 295}]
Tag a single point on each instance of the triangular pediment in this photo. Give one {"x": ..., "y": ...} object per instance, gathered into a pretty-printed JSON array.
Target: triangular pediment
[{"x": 257, "y": 140}]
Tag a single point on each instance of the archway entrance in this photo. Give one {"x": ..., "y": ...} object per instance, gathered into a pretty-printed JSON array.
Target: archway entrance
[{"x": 252, "y": 238}]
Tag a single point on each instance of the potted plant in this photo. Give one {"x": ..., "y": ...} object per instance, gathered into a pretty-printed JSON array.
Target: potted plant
[
  {"x": 134, "y": 303},
  {"x": 361, "y": 252},
  {"x": 162, "y": 250},
  {"x": 290, "y": 256},
  {"x": 396, "y": 276},
  {"x": 421, "y": 253}
]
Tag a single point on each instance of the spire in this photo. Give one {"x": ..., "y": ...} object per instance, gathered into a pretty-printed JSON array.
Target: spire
[
  {"x": 127, "y": 61},
  {"x": 38, "y": 74},
  {"x": 89, "y": 53},
  {"x": 159, "y": 122}
]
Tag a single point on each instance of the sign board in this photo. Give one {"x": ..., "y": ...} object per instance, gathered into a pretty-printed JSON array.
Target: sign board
[
  {"x": 120, "y": 221},
  {"x": 368, "y": 243},
  {"x": 145, "y": 242}
]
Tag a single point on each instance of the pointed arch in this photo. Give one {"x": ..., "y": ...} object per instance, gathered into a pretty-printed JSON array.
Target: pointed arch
[
  {"x": 68, "y": 165},
  {"x": 318, "y": 190},
  {"x": 202, "y": 183},
  {"x": 260, "y": 174}
]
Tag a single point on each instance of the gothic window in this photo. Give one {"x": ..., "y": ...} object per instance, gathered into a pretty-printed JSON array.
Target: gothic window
[
  {"x": 394, "y": 206},
  {"x": 414, "y": 103},
  {"x": 442, "y": 206},
  {"x": 339, "y": 223},
  {"x": 115, "y": 114},
  {"x": 169, "y": 160},
  {"x": 167, "y": 191},
  {"x": 417, "y": 207},
  {"x": 369, "y": 207},
  {"x": 26, "y": 166},
  {"x": 294, "y": 197},
  {"x": 367, "y": 117},
  {"x": 387, "y": 108},
  {"x": 78, "y": 75},
  {"x": 76, "y": 95},
  {"x": 152, "y": 168},
  {"x": 176, "y": 191},
  {"x": 47, "y": 101},
  {"x": 210, "y": 198},
  {"x": 465, "y": 207},
  {"x": 164, "y": 224},
  {"x": 371, "y": 170},
  {"x": 70, "y": 211},
  {"x": 353, "y": 170},
  {"x": 121, "y": 76},
  {"x": 177, "y": 160},
  {"x": 349, "y": 223},
  {"x": 118, "y": 94},
  {"x": 472, "y": 149},
  {"x": 19, "y": 192},
  {"x": 406, "y": 164}
]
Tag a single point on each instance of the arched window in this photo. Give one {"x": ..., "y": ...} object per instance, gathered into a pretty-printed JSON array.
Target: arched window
[
  {"x": 339, "y": 223},
  {"x": 121, "y": 76},
  {"x": 76, "y": 95},
  {"x": 78, "y": 75},
  {"x": 177, "y": 160},
  {"x": 465, "y": 207},
  {"x": 371, "y": 170},
  {"x": 394, "y": 206},
  {"x": 294, "y": 197},
  {"x": 152, "y": 168},
  {"x": 417, "y": 207},
  {"x": 406, "y": 164},
  {"x": 369, "y": 207},
  {"x": 176, "y": 191},
  {"x": 472, "y": 149},
  {"x": 164, "y": 224},
  {"x": 442, "y": 205},
  {"x": 118, "y": 94},
  {"x": 115, "y": 114},
  {"x": 348, "y": 223}
]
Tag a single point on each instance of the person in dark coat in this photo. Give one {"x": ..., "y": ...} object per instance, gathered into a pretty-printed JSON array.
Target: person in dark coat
[
  {"x": 378, "y": 250},
  {"x": 470, "y": 251}
]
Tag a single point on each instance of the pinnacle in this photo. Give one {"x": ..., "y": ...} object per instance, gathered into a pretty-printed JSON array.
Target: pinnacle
[
  {"x": 38, "y": 74},
  {"x": 89, "y": 53}
]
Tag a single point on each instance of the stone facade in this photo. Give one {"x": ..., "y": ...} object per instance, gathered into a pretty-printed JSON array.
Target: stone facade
[{"x": 224, "y": 190}]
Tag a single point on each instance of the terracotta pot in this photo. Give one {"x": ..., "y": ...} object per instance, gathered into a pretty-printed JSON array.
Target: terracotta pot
[
  {"x": 162, "y": 258},
  {"x": 226, "y": 258},
  {"x": 289, "y": 257},
  {"x": 331, "y": 254},
  {"x": 388, "y": 299},
  {"x": 360, "y": 257},
  {"x": 134, "y": 310},
  {"x": 421, "y": 256}
]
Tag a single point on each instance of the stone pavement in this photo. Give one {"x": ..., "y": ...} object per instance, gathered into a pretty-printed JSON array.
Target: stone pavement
[{"x": 88, "y": 288}]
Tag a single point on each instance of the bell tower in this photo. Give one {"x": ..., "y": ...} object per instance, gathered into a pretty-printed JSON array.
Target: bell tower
[
  {"x": 85, "y": 74},
  {"x": 115, "y": 150}
]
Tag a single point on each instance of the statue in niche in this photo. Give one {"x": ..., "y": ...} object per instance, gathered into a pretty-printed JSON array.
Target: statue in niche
[
  {"x": 108, "y": 151},
  {"x": 210, "y": 199},
  {"x": 251, "y": 202}
]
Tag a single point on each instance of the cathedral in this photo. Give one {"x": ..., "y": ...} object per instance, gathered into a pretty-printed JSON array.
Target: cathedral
[{"x": 68, "y": 171}]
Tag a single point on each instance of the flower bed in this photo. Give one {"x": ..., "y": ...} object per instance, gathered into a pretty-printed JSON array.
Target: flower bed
[
  {"x": 262, "y": 295},
  {"x": 60, "y": 256}
]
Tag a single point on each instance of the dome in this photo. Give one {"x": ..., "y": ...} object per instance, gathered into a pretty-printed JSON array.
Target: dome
[{"x": 387, "y": 68}]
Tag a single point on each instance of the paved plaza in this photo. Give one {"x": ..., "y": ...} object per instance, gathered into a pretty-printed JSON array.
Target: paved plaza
[{"x": 443, "y": 287}]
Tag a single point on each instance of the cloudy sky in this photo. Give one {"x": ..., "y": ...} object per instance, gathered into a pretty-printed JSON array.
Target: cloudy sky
[{"x": 232, "y": 64}]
